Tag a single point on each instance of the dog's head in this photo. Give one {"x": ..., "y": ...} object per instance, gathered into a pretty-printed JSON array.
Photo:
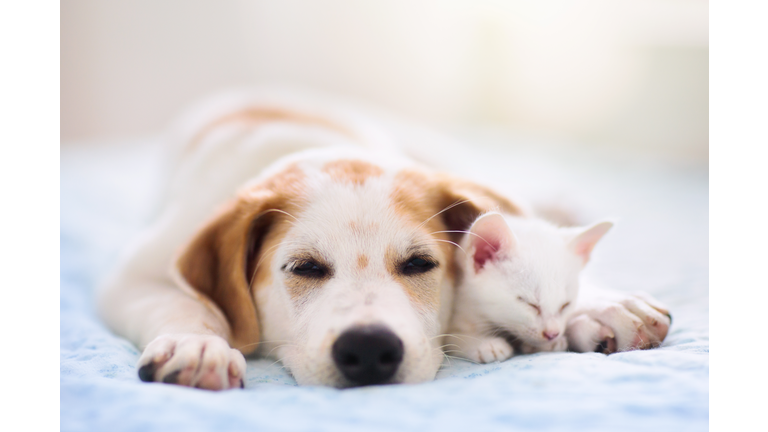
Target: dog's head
[{"x": 342, "y": 268}]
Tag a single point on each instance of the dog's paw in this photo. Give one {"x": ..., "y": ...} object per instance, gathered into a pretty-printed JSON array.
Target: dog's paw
[
  {"x": 193, "y": 360},
  {"x": 490, "y": 350},
  {"x": 636, "y": 322}
]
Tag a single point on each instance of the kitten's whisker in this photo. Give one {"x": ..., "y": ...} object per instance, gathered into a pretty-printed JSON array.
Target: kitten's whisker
[
  {"x": 455, "y": 244},
  {"x": 460, "y": 202},
  {"x": 470, "y": 233}
]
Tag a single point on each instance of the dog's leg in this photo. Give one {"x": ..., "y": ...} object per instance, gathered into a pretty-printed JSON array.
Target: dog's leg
[
  {"x": 184, "y": 340},
  {"x": 609, "y": 321}
]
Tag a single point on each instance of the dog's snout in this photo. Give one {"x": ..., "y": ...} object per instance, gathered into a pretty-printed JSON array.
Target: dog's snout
[{"x": 368, "y": 355}]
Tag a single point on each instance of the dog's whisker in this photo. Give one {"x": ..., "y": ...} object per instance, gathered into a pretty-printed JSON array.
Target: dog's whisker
[
  {"x": 457, "y": 346},
  {"x": 462, "y": 336},
  {"x": 440, "y": 335},
  {"x": 280, "y": 360},
  {"x": 263, "y": 257},
  {"x": 259, "y": 343},
  {"x": 450, "y": 364},
  {"x": 280, "y": 346},
  {"x": 461, "y": 358},
  {"x": 279, "y": 211}
]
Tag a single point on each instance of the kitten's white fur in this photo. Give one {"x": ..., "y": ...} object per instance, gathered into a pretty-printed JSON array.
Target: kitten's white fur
[{"x": 520, "y": 280}]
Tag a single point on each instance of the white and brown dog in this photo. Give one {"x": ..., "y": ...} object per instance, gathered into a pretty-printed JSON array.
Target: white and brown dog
[{"x": 302, "y": 232}]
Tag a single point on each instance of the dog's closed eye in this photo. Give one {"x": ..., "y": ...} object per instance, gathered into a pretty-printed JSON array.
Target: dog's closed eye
[
  {"x": 307, "y": 269},
  {"x": 417, "y": 265}
]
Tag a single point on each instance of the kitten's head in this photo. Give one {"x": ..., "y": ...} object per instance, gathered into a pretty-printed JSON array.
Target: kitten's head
[{"x": 523, "y": 274}]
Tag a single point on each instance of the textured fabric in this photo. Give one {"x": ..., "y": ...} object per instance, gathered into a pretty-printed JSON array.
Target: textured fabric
[{"x": 660, "y": 245}]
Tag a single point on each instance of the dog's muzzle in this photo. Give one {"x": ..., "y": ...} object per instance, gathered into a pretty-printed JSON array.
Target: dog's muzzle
[{"x": 368, "y": 355}]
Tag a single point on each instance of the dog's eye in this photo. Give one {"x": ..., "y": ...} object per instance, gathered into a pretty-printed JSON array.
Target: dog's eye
[
  {"x": 417, "y": 265},
  {"x": 308, "y": 269}
]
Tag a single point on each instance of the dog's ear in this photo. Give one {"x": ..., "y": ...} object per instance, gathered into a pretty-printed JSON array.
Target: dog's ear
[
  {"x": 453, "y": 201},
  {"x": 462, "y": 201},
  {"x": 218, "y": 264}
]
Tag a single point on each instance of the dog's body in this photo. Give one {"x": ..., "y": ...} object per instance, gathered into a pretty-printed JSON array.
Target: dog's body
[{"x": 302, "y": 233}]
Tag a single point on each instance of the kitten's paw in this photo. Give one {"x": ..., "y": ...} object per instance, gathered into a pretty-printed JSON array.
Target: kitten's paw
[
  {"x": 193, "y": 360},
  {"x": 635, "y": 322},
  {"x": 490, "y": 350}
]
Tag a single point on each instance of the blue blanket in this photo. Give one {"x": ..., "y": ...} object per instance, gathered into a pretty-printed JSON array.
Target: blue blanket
[{"x": 660, "y": 246}]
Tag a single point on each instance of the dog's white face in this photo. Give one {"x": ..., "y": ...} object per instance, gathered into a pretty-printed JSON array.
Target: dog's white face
[
  {"x": 350, "y": 261},
  {"x": 349, "y": 266}
]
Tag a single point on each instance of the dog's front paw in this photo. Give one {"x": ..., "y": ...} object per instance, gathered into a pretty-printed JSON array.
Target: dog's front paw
[
  {"x": 193, "y": 360},
  {"x": 490, "y": 350},
  {"x": 636, "y": 322}
]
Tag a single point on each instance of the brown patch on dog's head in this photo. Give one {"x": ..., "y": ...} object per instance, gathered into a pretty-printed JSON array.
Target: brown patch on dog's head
[
  {"x": 220, "y": 262},
  {"x": 362, "y": 261},
  {"x": 352, "y": 171}
]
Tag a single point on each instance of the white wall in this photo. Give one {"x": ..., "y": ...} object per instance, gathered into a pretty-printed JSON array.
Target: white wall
[{"x": 630, "y": 74}]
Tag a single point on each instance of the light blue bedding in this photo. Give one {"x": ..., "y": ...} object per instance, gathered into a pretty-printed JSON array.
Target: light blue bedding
[{"x": 660, "y": 245}]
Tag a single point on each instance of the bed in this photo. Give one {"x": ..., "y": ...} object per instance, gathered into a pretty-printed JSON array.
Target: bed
[{"x": 659, "y": 245}]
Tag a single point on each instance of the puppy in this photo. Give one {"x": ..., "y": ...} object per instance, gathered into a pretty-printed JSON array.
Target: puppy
[{"x": 296, "y": 232}]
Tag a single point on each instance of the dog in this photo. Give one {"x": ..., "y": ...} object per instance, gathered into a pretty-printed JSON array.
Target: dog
[
  {"x": 302, "y": 231},
  {"x": 327, "y": 248}
]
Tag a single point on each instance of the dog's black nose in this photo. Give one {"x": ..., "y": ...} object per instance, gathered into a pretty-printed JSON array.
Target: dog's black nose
[{"x": 368, "y": 355}]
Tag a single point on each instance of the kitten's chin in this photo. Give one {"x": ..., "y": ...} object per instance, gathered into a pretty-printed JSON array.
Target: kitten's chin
[{"x": 539, "y": 345}]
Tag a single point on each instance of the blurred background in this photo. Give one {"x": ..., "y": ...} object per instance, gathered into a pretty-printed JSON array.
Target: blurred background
[{"x": 629, "y": 77}]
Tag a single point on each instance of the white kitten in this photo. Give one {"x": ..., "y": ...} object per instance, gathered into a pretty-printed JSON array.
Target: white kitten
[{"x": 520, "y": 279}]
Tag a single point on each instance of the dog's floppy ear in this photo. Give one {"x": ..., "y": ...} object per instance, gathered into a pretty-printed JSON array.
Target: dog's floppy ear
[
  {"x": 453, "y": 201},
  {"x": 218, "y": 263},
  {"x": 462, "y": 202}
]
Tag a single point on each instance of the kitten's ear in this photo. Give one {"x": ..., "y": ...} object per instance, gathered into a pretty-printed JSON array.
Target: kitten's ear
[
  {"x": 490, "y": 239},
  {"x": 584, "y": 240}
]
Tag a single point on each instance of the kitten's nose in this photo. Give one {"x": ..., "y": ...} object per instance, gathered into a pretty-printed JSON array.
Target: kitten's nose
[
  {"x": 368, "y": 355},
  {"x": 549, "y": 334}
]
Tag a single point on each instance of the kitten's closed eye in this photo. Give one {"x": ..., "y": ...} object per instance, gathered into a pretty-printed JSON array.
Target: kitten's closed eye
[
  {"x": 535, "y": 306},
  {"x": 565, "y": 306}
]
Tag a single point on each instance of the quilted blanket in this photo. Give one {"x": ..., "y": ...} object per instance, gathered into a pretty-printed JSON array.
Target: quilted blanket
[{"x": 659, "y": 245}]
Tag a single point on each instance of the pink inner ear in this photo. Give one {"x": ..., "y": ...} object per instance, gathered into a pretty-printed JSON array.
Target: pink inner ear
[
  {"x": 486, "y": 251},
  {"x": 583, "y": 250}
]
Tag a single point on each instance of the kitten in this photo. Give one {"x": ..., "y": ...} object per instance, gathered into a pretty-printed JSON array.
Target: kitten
[{"x": 520, "y": 279}]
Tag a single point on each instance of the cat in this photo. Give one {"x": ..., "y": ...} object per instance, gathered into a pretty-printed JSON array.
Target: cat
[{"x": 518, "y": 286}]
